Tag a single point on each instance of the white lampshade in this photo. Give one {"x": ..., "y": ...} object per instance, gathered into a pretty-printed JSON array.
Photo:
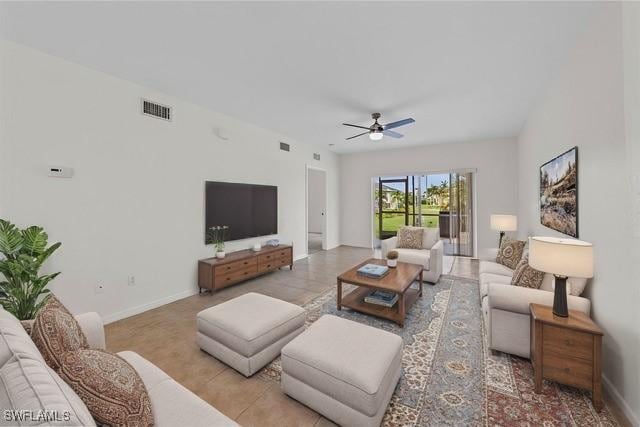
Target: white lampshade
[
  {"x": 375, "y": 136},
  {"x": 504, "y": 222},
  {"x": 562, "y": 257}
]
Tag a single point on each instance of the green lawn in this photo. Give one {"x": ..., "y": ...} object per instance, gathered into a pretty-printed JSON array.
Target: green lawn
[{"x": 392, "y": 222}]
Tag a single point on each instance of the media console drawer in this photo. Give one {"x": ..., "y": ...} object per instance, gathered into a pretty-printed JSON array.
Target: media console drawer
[{"x": 214, "y": 273}]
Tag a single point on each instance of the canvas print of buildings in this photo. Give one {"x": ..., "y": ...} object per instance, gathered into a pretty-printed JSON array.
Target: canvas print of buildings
[{"x": 559, "y": 193}]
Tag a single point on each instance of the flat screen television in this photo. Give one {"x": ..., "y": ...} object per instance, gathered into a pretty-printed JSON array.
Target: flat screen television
[{"x": 248, "y": 210}]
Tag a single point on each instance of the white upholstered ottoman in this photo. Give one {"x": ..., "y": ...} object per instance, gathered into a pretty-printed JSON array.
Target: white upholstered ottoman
[
  {"x": 344, "y": 370},
  {"x": 249, "y": 331}
]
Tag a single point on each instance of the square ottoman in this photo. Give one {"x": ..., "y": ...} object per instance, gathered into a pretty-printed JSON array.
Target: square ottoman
[
  {"x": 344, "y": 370},
  {"x": 249, "y": 331}
]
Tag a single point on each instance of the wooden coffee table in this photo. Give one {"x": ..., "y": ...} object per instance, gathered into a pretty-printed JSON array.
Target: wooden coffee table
[{"x": 398, "y": 280}]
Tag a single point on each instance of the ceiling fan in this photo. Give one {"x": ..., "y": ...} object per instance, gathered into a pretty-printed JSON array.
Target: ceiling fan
[{"x": 376, "y": 130}]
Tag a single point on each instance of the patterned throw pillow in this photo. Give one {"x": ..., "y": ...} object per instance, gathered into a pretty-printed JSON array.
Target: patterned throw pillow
[
  {"x": 410, "y": 237},
  {"x": 526, "y": 276},
  {"x": 109, "y": 386},
  {"x": 55, "y": 331},
  {"x": 510, "y": 252}
]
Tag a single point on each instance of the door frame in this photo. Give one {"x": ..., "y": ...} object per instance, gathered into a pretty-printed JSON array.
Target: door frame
[{"x": 325, "y": 222}]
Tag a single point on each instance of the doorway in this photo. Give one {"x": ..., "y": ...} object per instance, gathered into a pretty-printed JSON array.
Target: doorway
[
  {"x": 316, "y": 210},
  {"x": 433, "y": 200}
]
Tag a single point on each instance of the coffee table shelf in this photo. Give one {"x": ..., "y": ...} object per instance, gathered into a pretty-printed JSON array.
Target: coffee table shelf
[{"x": 398, "y": 280}]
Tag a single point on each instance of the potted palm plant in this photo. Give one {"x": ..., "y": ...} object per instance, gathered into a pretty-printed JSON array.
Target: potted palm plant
[{"x": 22, "y": 288}]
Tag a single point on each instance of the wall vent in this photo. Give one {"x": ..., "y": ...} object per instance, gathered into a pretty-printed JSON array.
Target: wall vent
[
  {"x": 316, "y": 156},
  {"x": 284, "y": 146},
  {"x": 156, "y": 110}
]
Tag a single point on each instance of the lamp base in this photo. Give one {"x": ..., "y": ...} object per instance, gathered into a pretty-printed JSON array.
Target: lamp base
[
  {"x": 502, "y": 233},
  {"x": 560, "y": 297}
]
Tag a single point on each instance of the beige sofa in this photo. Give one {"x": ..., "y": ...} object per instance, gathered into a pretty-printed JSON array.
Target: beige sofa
[
  {"x": 29, "y": 386},
  {"x": 430, "y": 256},
  {"x": 505, "y": 308}
]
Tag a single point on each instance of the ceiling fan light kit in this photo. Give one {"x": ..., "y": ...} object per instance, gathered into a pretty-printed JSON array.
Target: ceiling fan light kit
[{"x": 377, "y": 131}]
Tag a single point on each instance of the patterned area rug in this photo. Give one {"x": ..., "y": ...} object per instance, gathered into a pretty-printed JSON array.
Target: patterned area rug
[{"x": 449, "y": 376}]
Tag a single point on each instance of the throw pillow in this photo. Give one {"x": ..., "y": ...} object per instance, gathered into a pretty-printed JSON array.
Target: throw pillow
[
  {"x": 109, "y": 386},
  {"x": 526, "y": 276},
  {"x": 410, "y": 237},
  {"x": 510, "y": 252},
  {"x": 55, "y": 331}
]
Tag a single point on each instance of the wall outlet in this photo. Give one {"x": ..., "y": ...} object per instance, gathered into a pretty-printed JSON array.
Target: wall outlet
[
  {"x": 131, "y": 280},
  {"x": 99, "y": 288}
]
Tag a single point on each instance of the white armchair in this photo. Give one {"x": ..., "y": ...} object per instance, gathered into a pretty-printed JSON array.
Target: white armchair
[
  {"x": 430, "y": 256},
  {"x": 505, "y": 307}
]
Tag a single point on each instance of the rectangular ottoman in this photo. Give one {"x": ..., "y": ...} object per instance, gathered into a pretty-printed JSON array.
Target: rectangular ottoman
[
  {"x": 344, "y": 370},
  {"x": 249, "y": 331}
]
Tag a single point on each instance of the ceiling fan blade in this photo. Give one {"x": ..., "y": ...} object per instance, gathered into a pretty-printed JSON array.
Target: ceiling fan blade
[
  {"x": 355, "y": 136},
  {"x": 392, "y": 134},
  {"x": 398, "y": 124},
  {"x": 356, "y": 126}
]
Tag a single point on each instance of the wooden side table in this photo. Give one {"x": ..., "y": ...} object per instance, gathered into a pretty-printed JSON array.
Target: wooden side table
[{"x": 566, "y": 350}]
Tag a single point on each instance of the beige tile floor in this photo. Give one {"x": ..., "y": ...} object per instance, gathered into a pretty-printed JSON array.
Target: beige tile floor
[{"x": 166, "y": 337}]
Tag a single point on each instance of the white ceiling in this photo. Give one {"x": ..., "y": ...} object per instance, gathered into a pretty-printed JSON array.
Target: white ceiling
[{"x": 464, "y": 71}]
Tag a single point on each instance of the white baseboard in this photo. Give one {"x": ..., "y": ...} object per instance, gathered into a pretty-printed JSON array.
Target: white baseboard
[
  {"x": 146, "y": 307},
  {"x": 617, "y": 397}
]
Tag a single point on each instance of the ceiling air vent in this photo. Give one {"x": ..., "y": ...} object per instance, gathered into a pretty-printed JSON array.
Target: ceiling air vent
[
  {"x": 156, "y": 110},
  {"x": 284, "y": 146}
]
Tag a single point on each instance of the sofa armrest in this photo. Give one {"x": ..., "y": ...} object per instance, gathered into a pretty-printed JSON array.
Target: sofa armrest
[
  {"x": 435, "y": 257},
  {"x": 516, "y": 299},
  {"x": 389, "y": 245},
  {"x": 91, "y": 325}
]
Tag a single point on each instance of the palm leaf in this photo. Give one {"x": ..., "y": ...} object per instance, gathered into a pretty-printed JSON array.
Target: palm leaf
[
  {"x": 34, "y": 240},
  {"x": 10, "y": 239}
]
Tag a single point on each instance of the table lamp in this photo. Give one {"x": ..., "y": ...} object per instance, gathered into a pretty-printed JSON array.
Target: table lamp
[
  {"x": 563, "y": 258},
  {"x": 504, "y": 223}
]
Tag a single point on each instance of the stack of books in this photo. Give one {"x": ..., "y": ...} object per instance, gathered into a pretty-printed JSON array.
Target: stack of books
[
  {"x": 374, "y": 271},
  {"x": 387, "y": 299}
]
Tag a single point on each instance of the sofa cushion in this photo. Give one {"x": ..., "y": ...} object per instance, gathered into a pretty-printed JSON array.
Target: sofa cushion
[
  {"x": 527, "y": 276},
  {"x": 251, "y": 322},
  {"x": 495, "y": 268},
  {"x": 56, "y": 331},
  {"x": 353, "y": 363},
  {"x": 430, "y": 237},
  {"x": 109, "y": 386},
  {"x": 410, "y": 237},
  {"x": 510, "y": 252},
  {"x": 488, "y": 278},
  {"x": 173, "y": 404},
  {"x": 415, "y": 256}
]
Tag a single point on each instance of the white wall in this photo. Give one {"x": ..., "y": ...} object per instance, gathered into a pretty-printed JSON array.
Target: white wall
[
  {"x": 495, "y": 182},
  {"x": 317, "y": 196},
  {"x": 583, "y": 106},
  {"x": 135, "y": 205}
]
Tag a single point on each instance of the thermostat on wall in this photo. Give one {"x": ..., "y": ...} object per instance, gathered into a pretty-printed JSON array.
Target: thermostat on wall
[{"x": 60, "y": 172}]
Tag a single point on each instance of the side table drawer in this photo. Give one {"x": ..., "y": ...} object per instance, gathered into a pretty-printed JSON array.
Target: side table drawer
[
  {"x": 567, "y": 370},
  {"x": 564, "y": 342}
]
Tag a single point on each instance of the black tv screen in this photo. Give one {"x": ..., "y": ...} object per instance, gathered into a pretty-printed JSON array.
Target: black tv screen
[{"x": 248, "y": 210}]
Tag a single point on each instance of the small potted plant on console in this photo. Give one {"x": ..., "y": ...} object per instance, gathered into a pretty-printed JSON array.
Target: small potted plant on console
[
  {"x": 218, "y": 235},
  {"x": 392, "y": 259}
]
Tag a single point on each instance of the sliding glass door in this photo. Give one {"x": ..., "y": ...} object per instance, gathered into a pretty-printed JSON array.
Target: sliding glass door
[{"x": 443, "y": 201}]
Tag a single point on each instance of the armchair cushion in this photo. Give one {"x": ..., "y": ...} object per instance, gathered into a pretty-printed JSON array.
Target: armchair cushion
[
  {"x": 430, "y": 237},
  {"x": 410, "y": 237},
  {"x": 414, "y": 256}
]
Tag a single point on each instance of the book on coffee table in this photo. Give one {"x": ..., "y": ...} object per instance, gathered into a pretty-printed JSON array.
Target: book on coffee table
[
  {"x": 387, "y": 299},
  {"x": 374, "y": 271}
]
